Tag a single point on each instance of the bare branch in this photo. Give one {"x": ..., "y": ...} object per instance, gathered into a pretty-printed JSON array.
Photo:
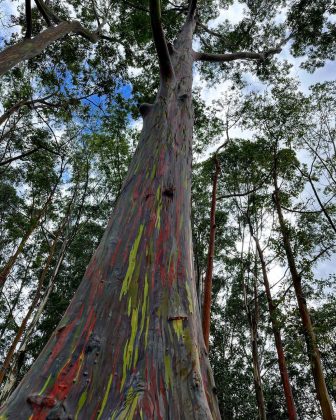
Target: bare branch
[
  {"x": 19, "y": 105},
  {"x": 48, "y": 14},
  {"x": 166, "y": 68},
  {"x": 316, "y": 257},
  {"x": 135, "y": 6},
  {"x": 23, "y": 155},
  {"x": 208, "y": 30},
  {"x": 240, "y": 55},
  {"x": 29, "y": 48},
  {"x": 28, "y": 19},
  {"x": 241, "y": 194},
  {"x": 301, "y": 211}
]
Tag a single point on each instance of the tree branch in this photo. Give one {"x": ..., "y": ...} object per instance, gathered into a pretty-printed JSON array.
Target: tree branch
[
  {"x": 23, "y": 155},
  {"x": 316, "y": 257},
  {"x": 192, "y": 9},
  {"x": 19, "y": 105},
  {"x": 301, "y": 211},
  {"x": 240, "y": 55},
  {"x": 241, "y": 194},
  {"x": 48, "y": 14},
  {"x": 166, "y": 68},
  {"x": 29, "y": 48},
  {"x": 135, "y": 6},
  {"x": 208, "y": 30}
]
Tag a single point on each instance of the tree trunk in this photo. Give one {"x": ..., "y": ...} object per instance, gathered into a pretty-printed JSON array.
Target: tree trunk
[
  {"x": 309, "y": 333},
  {"x": 130, "y": 344},
  {"x": 291, "y": 409},
  {"x": 206, "y": 314}
]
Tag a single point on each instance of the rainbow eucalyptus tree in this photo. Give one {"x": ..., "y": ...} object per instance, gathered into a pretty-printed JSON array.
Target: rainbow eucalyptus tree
[{"x": 130, "y": 344}]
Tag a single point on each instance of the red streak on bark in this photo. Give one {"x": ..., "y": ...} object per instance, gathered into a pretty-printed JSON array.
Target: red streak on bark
[
  {"x": 67, "y": 375},
  {"x": 61, "y": 337},
  {"x": 171, "y": 274},
  {"x": 161, "y": 167}
]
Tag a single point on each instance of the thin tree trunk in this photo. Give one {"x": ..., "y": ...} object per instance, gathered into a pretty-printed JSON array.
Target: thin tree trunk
[
  {"x": 206, "y": 313},
  {"x": 33, "y": 225},
  {"x": 29, "y": 48},
  {"x": 12, "y": 376},
  {"x": 12, "y": 379},
  {"x": 252, "y": 319},
  {"x": 13, "y": 306},
  {"x": 324, "y": 210},
  {"x": 31, "y": 309},
  {"x": 291, "y": 409},
  {"x": 309, "y": 333},
  {"x": 130, "y": 344}
]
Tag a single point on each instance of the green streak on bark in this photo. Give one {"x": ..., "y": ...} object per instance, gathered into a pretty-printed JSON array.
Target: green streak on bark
[
  {"x": 81, "y": 403},
  {"x": 131, "y": 263},
  {"x": 105, "y": 398},
  {"x": 45, "y": 385}
]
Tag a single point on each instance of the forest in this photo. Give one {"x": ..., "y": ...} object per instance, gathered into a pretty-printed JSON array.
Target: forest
[{"x": 167, "y": 209}]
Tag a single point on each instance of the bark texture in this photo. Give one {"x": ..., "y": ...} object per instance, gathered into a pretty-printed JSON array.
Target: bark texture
[{"x": 130, "y": 344}]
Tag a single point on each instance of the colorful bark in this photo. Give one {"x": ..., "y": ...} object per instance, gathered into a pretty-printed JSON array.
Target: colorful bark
[{"x": 130, "y": 344}]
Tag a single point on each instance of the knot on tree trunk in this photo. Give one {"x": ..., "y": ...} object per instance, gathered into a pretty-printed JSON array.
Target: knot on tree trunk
[
  {"x": 145, "y": 109},
  {"x": 171, "y": 48},
  {"x": 41, "y": 401},
  {"x": 183, "y": 97},
  {"x": 169, "y": 192}
]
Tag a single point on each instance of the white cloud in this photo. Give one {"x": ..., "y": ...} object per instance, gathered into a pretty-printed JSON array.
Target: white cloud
[{"x": 234, "y": 14}]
